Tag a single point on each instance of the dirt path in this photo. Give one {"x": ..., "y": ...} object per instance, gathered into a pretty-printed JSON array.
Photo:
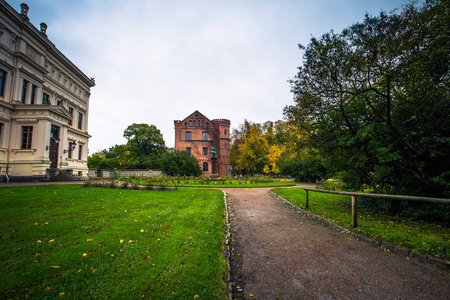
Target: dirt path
[{"x": 281, "y": 254}]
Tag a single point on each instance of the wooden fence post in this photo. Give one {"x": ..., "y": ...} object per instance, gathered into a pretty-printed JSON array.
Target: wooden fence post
[
  {"x": 306, "y": 192},
  {"x": 354, "y": 214}
]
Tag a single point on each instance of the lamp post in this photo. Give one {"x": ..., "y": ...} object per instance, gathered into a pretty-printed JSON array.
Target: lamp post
[{"x": 99, "y": 172}]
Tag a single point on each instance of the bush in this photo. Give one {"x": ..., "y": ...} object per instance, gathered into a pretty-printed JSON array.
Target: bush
[{"x": 180, "y": 163}]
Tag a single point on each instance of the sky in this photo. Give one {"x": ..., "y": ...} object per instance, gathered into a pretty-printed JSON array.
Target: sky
[{"x": 156, "y": 61}]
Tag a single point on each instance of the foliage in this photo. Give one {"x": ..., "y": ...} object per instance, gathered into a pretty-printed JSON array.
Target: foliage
[
  {"x": 420, "y": 236},
  {"x": 374, "y": 100},
  {"x": 180, "y": 163},
  {"x": 143, "y": 150},
  {"x": 312, "y": 170},
  {"x": 81, "y": 243}
]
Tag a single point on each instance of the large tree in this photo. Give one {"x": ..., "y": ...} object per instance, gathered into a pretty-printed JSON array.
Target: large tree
[{"x": 375, "y": 99}]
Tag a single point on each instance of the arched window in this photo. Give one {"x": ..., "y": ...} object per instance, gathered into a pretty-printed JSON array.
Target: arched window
[{"x": 205, "y": 167}]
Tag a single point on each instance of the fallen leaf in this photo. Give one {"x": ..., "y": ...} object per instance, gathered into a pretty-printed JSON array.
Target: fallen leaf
[
  {"x": 61, "y": 294},
  {"x": 142, "y": 230},
  {"x": 51, "y": 241},
  {"x": 130, "y": 241},
  {"x": 48, "y": 288},
  {"x": 84, "y": 255},
  {"x": 89, "y": 240},
  {"x": 39, "y": 241},
  {"x": 121, "y": 241},
  {"x": 55, "y": 267}
]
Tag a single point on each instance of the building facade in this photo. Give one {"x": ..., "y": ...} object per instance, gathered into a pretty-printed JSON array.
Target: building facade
[
  {"x": 198, "y": 135},
  {"x": 44, "y": 102}
]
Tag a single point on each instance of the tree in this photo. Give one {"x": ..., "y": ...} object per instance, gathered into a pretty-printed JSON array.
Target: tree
[
  {"x": 144, "y": 139},
  {"x": 180, "y": 163},
  {"x": 145, "y": 145},
  {"x": 374, "y": 99}
]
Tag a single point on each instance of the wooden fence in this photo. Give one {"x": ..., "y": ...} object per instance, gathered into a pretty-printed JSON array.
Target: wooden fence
[{"x": 378, "y": 196}]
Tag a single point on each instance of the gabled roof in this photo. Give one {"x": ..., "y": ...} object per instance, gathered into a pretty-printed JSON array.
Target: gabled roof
[{"x": 193, "y": 116}]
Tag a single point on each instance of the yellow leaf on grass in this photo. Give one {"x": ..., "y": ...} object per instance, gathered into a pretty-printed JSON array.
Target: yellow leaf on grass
[
  {"x": 55, "y": 267},
  {"x": 48, "y": 288},
  {"x": 84, "y": 255},
  {"x": 39, "y": 241},
  {"x": 121, "y": 241},
  {"x": 142, "y": 230},
  {"x": 130, "y": 241},
  {"x": 61, "y": 294},
  {"x": 89, "y": 240},
  {"x": 51, "y": 241},
  {"x": 79, "y": 271}
]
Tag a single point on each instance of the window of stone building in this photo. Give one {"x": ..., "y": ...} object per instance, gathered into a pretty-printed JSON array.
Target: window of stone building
[
  {"x": 1, "y": 133},
  {"x": 33, "y": 94},
  {"x": 190, "y": 123},
  {"x": 45, "y": 98},
  {"x": 80, "y": 152},
  {"x": 205, "y": 150},
  {"x": 70, "y": 150},
  {"x": 225, "y": 132},
  {"x": 205, "y": 136},
  {"x": 205, "y": 167},
  {"x": 27, "y": 134},
  {"x": 2, "y": 82},
  {"x": 24, "y": 90},
  {"x": 80, "y": 121},
  {"x": 188, "y": 150},
  {"x": 58, "y": 102},
  {"x": 71, "y": 113},
  {"x": 202, "y": 123},
  {"x": 188, "y": 135},
  {"x": 185, "y": 124}
]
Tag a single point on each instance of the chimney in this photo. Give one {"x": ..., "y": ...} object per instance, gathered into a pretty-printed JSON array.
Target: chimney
[{"x": 24, "y": 11}]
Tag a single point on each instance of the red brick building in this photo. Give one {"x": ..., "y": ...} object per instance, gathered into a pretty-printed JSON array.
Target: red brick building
[{"x": 197, "y": 135}]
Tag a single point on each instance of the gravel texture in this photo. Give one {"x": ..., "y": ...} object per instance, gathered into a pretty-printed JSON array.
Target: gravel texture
[{"x": 278, "y": 253}]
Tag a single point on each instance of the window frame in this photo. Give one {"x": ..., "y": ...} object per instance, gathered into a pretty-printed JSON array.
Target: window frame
[
  {"x": 80, "y": 152},
  {"x": 2, "y": 82},
  {"x": 205, "y": 135},
  {"x": 70, "y": 110},
  {"x": 27, "y": 137},
  {"x": 24, "y": 90},
  {"x": 205, "y": 150},
  {"x": 188, "y": 136},
  {"x": 188, "y": 150},
  {"x": 45, "y": 98},
  {"x": 80, "y": 121},
  {"x": 205, "y": 167}
]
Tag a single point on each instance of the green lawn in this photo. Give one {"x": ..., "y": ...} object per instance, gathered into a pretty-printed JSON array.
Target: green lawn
[
  {"x": 418, "y": 236},
  {"x": 76, "y": 242}
]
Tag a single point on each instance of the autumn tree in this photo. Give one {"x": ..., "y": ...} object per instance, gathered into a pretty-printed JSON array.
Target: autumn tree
[{"x": 374, "y": 99}]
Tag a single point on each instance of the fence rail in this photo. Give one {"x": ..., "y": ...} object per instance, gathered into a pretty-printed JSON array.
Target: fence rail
[{"x": 378, "y": 196}]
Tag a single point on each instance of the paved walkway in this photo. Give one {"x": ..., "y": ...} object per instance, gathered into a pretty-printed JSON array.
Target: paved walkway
[{"x": 282, "y": 254}]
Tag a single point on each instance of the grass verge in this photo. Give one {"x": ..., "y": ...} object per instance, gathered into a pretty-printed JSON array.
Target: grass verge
[
  {"x": 418, "y": 236},
  {"x": 76, "y": 242}
]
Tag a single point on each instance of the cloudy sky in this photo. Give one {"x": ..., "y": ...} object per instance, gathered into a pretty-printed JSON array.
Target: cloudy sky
[{"x": 156, "y": 61}]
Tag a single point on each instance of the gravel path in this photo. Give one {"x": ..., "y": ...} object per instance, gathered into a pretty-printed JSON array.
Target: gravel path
[{"x": 281, "y": 254}]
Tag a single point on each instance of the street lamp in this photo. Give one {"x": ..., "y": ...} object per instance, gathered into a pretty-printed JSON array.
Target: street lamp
[{"x": 99, "y": 172}]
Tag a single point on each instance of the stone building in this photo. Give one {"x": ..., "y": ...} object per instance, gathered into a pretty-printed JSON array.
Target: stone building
[
  {"x": 197, "y": 135},
  {"x": 44, "y": 102}
]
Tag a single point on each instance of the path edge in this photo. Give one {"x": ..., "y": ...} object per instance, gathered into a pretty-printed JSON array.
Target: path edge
[
  {"x": 420, "y": 257},
  {"x": 227, "y": 249}
]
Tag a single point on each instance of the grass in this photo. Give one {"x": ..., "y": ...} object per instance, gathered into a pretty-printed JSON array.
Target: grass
[
  {"x": 418, "y": 236},
  {"x": 75, "y": 242}
]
